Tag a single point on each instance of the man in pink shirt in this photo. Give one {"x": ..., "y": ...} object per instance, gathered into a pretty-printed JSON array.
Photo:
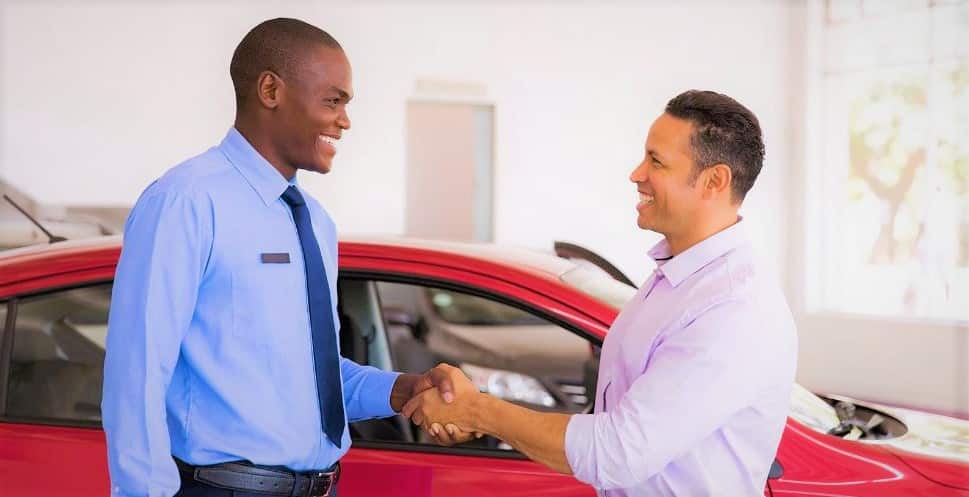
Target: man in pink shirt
[{"x": 696, "y": 372}]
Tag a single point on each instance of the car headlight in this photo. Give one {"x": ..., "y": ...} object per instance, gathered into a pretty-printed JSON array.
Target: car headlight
[{"x": 508, "y": 385}]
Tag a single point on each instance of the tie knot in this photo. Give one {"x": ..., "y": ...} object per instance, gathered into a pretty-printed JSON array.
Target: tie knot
[{"x": 293, "y": 197}]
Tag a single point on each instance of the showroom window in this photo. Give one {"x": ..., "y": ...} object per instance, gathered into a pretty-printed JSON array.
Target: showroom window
[
  {"x": 58, "y": 356},
  {"x": 507, "y": 352},
  {"x": 892, "y": 204}
]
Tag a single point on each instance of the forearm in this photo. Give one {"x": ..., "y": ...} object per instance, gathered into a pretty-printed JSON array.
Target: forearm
[{"x": 538, "y": 435}]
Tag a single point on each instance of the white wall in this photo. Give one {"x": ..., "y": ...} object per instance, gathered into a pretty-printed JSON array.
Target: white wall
[{"x": 100, "y": 98}]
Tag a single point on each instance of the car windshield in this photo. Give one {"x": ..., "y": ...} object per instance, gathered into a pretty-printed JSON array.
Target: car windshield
[
  {"x": 459, "y": 308},
  {"x": 597, "y": 284}
]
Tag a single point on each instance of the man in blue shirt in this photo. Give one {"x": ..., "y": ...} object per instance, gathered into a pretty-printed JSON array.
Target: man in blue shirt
[{"x": 223, "y": 326}]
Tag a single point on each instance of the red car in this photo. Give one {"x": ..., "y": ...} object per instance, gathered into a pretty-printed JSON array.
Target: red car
[{"x": 525, "y": 326}]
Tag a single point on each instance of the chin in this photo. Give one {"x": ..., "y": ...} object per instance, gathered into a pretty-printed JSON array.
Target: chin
[
  {"x": 644, "y": 224},
  {"x": 321, "y": 167}
]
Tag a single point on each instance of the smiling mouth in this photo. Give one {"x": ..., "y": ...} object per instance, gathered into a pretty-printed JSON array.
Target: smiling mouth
[
  {"x": 329, "y": 140},
  {"x": 646, "y": 199}
]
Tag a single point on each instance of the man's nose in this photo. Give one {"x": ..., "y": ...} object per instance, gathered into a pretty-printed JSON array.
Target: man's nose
[
  {"x": 343, "y": 120},
  {"x": 640, "y": 174}
]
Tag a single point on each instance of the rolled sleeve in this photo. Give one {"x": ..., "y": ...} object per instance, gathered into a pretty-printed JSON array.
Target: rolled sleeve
[{"x": 579, "y": 440}]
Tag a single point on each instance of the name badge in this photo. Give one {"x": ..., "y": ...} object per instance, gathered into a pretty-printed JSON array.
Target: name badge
[{"x": 274, "y": 257}]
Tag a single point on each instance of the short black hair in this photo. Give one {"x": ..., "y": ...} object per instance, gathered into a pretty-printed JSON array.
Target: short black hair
[
  {"x": 276, "y": 45},
  {"x": 724, "y": 132}
]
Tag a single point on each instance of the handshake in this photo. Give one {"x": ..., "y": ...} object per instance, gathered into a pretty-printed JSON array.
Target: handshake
[
  {"x": 446, "y": 405},
  {"x": 451, "y": 410}
]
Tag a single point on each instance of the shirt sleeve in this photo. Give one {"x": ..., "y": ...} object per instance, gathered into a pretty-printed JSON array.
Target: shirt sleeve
[
  {"x": 166, "y": 245},
  {"x": 696, "y": 378},
  {"x": 366, "y": 391}
]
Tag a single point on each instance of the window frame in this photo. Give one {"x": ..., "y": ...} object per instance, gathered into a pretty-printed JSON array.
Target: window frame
[
  {"x": 814, "y": 280},
  {"x": 455, "y": 285},
  {"x": 6, "y": 351},
  {"x": 6, "y": 355}
]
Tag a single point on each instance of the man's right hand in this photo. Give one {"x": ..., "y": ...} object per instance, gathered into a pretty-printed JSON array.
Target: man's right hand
[{"x": 450, "y": 383}]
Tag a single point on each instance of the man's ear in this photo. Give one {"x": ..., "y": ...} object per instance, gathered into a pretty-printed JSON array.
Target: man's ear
[
  {"x": 716, "y": 180},
  {"x": 269, "y": 89}
]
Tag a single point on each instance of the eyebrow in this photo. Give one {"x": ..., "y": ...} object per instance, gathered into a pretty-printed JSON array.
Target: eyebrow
[
  {"x": 343, "y": 94},
  {"x": 655, "y": 155}
]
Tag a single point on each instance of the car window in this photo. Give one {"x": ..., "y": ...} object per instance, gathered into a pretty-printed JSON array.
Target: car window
[
  {"x": 58, "y": 355},
  {"x": 506, "y": 351}
]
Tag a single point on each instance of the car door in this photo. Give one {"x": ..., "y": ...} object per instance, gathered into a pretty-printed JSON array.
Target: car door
[
  {"x": 51, "y": 356},
  {"x": 509, "y": 343}
]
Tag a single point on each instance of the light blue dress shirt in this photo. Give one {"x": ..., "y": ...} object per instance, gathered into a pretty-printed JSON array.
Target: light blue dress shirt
[
  {"x": 209, "y": 352},
  {"x": 695, "y": 379}
]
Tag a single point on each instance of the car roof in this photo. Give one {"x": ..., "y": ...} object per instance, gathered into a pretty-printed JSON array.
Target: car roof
[{"x": 48, "y": 259}]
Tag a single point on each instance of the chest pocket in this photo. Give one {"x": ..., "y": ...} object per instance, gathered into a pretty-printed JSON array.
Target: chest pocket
[{"x": 264, "y": 289}]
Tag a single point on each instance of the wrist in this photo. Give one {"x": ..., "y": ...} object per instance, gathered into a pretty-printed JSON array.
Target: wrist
[
  {"x": 481, "y": 407},
  {"x": 402, "y": 390}
]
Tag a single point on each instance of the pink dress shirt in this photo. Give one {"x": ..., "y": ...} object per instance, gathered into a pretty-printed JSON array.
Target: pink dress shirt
[{"x": 694, "y": 380}]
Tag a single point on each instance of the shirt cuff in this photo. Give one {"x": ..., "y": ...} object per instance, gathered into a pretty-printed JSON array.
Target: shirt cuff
[
  {"x": 579, "y": 447},
  {"x": 379, "y": 405}
]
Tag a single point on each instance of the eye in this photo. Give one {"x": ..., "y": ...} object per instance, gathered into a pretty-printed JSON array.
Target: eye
[{"x": 332, "y": 102}]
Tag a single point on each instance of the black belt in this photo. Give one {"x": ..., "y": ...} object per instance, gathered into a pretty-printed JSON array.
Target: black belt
[{"x": 268, "y": 480}]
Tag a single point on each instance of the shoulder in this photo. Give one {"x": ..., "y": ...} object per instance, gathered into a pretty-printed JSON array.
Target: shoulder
[
  {"x": 187, "y": 187},
  {"x": 739, "y": 294},
  {"x": 194, "y": 177}
]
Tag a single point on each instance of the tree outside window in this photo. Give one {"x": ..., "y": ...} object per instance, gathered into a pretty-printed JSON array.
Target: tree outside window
[{"x": 896, "y": 197}]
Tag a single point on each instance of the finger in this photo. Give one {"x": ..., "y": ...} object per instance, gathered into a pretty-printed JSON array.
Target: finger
[
  {"x": 478, "y": 434},
  {"x": 440, "y": 377},
  {"x": 441, "y": 435},
  {"x": 412, "y": 405},
  {"x": 457, "y": 434},
  {"x": 417, "y": 417}
]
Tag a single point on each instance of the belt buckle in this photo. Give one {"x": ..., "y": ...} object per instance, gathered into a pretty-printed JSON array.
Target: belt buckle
[{"x": 321, "y": 484}]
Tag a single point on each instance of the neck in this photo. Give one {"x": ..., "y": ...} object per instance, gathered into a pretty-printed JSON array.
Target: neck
[
  {"x": 255, "y": 133},
  {"x": 701, "y": 229}
]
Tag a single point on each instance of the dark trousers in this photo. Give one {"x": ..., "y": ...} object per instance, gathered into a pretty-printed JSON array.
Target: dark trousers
[{"x": 198, "y": 489}]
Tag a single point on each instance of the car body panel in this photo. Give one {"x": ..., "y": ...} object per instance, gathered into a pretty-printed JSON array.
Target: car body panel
[{"x": 40, "y": 460}]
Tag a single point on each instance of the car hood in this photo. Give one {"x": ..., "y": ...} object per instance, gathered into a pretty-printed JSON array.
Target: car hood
[{"x": 936, "y": 446}]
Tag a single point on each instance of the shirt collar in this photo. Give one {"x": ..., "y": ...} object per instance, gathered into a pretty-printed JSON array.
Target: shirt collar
[
  {"x": 258, "y": 172},
  {"x": 696, "y": 257}
]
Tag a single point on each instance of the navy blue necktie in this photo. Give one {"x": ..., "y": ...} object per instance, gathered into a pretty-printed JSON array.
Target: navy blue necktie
[{"x": 325, "y": 356}]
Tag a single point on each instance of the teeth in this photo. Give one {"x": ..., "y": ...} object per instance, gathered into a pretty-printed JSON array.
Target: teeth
[
  {"x": 329, "y": 140},
  {"x": 646, "y": 198}
]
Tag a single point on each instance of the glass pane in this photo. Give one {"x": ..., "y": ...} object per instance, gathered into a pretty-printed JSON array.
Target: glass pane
[
  {"x": 874, "y": 8},
  {"x": 950, "y": 32},
  {"x": 878, "y": 43},
  {"x": 58, "y": 355},
  {"x": 840, "y": 11},
  {"x": 940, "y": 287},
  {"x": 507, "y": 352},
  {"x": 898, "y": 238}
]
